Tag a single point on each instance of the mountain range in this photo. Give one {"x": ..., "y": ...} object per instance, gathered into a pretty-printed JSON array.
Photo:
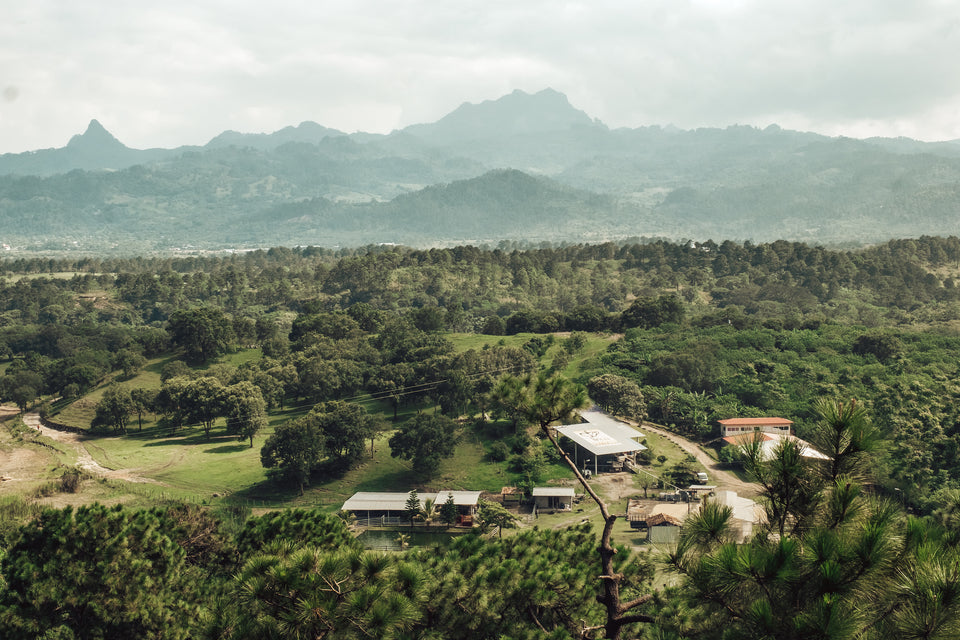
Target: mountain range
[{"x": 527, "y": 167}]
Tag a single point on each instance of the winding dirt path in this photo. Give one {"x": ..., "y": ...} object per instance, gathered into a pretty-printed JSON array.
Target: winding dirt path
[{"x": 84, "y": 460}]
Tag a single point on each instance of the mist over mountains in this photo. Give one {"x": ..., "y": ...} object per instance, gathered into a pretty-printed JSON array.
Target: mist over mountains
[{"x": 523, "y": 167}]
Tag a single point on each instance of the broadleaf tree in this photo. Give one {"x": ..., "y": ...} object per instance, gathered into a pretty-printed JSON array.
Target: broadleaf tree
[{"x": 425, "y": 440}]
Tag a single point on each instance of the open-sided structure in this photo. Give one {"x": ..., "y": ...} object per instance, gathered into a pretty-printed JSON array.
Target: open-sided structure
[{"x": 602, "y": 443}]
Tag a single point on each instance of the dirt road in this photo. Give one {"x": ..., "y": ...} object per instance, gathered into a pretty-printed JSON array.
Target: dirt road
[
  {"x": 84, "y": 460},
  {"x": 723, "y": 479}
]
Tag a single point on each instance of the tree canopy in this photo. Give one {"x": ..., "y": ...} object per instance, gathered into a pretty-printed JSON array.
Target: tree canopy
[{"x": 425, "y": 440}]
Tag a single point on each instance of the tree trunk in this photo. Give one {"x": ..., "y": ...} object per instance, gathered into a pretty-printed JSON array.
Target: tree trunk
[{"x": 610, "y": 598}]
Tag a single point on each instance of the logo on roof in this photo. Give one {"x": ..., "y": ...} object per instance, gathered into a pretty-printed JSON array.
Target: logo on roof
[{"x": 596, "y": 437}]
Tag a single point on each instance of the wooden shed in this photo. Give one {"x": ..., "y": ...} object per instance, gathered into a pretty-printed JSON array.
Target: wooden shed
[{"x": 663, "y": 528}]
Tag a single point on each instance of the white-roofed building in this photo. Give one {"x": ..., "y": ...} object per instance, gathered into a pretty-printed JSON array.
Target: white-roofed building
[
  {"x": 378, "y": 503},
  {"x": 466, "y": 501},
  {"x": 392, "y": 505},
  {"x": 746, "y": 513},
  {"x": 601, "y": 443},
  {"x": 555, "y": 498},
  {"x": 770, "y": 441}
]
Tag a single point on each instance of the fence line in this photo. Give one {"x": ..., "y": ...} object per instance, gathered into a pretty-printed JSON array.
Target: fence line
[
  {"x": 382, "y": 521},
  {"x": 47, "y": 422}
]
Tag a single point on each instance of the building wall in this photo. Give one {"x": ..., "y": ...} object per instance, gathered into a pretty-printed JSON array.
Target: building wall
[
  {"x": 553, "y": 502},
  {"x": 663, "y": 534},
  {"x": 767, "y": 428}
]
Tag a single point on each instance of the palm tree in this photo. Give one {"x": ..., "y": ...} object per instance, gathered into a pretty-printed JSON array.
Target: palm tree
[
  {"x": 404, "y": 540},
  {"x": 429, "y": 511}
]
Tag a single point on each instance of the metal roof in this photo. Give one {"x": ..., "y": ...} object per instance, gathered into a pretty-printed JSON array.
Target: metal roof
[
  {"x": 771, "y": 441},
  {"x": 460, "y": 498},
  {"x": 600, "y": 441},
  {"x": 395, "y": 501},
  {"x": 559, "y": 492},
  {"x": 611, "y": 425},
  {"x": 376, "y": 501}
]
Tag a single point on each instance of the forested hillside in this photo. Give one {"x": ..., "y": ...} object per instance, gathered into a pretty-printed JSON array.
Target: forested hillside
[
  {"x": 710, "y": 331},
  {"x": 331, "y": 368}
]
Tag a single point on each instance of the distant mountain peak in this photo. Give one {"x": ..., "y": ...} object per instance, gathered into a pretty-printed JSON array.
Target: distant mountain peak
[
  {"x": 307, "y": 131},
  {"x": 548, "y": 106},
  {"x": 96, "y": 137},
  {"x": 517, "y": 113}
]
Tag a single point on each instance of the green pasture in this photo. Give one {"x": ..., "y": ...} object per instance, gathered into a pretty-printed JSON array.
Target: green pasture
[
  {"x": 80, "y": 412},
  {"x": 596, "y": 344},
  {"x": 187, "y": 465}
]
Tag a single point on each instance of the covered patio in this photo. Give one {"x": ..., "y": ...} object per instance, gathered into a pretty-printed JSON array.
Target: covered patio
[{"x": 602, "y": 443}]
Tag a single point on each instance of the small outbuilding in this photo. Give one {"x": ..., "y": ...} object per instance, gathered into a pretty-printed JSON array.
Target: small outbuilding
[
  {"x": 510, "y": 496},
  {"x": 553, "y": 498},
  {"x": 665, "y": 521},
  {"x": 697, "y": 491},
  {"x": 637, "y": 511},
  {"x": 663, "y": 528}
]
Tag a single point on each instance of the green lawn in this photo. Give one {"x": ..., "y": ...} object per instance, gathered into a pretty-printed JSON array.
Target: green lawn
[
  {"x": 467, "y": 469},
  {"x": 80, "y": 412},
  {"x": 186, "y": 465},
  {"x": 596, "y": 344}
]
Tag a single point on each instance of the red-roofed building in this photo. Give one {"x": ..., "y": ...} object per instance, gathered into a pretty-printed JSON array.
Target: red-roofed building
[{"x": 738, "y": 426}]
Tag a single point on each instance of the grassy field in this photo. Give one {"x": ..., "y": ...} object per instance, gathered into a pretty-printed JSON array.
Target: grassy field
[
  {"x": 79, "y": 413},
  {"x": 187, "y": 465},
  {"x": 596, "y": 344}
]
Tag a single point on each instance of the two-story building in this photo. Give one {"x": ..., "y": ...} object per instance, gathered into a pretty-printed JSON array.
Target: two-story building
[{"x": 739, "y": 426}]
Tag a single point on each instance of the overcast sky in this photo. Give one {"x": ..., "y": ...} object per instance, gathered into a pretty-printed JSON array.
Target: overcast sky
[{"x": 162, "y": 74}]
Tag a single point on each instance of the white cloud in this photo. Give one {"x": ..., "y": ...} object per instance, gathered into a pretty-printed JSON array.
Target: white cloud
[{"x": 180, "y": 73}]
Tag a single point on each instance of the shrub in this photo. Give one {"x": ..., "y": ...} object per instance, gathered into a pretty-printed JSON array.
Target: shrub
[
  {"x": 729, "y": 456},
  {"x": 499, "y": 452},
  {"x": 70, "y": 480}
]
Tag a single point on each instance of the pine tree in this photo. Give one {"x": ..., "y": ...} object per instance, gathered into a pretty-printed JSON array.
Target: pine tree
[
  {"x": 413, "y": 507},
  {"x": 449, "y": 511}
]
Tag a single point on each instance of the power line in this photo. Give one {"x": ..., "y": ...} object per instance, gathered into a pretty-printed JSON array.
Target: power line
[{"x": 424, "y": 387}]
